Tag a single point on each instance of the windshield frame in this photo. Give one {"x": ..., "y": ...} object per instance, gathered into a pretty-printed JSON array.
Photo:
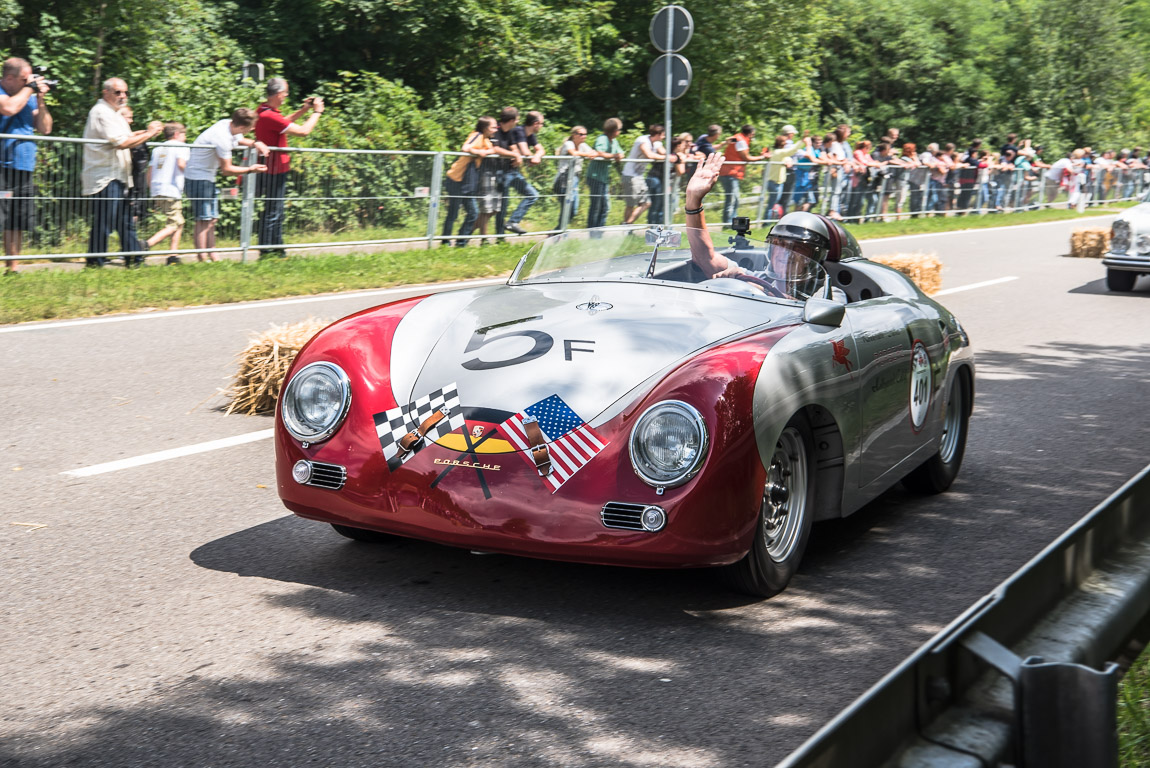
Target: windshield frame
[{"x": 650, "y": 259}]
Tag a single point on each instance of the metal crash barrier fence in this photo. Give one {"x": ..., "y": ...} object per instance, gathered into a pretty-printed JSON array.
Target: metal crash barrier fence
[
  {"x": 358, "y": 197},
  {"x": 1024, "y": 677}
]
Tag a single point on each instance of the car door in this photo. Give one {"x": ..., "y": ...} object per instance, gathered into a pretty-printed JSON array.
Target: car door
[{"x": 899, "y": 347}]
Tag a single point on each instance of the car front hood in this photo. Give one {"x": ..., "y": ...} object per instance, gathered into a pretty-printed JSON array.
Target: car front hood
[{"x": 509, "y": 347}]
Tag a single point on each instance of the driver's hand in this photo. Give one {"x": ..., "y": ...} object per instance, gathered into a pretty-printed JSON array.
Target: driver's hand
[
  {"x": 732, "y": 270},
  {"x": 703, "y": 180}
]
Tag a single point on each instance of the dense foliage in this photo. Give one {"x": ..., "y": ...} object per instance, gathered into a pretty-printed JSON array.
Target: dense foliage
[{"x": 416, "y": 73}]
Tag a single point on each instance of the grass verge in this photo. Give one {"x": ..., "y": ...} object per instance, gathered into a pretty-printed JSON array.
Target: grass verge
[
  {"x": 1134, "y": 715},
  {"x": 53, "y": 294}
]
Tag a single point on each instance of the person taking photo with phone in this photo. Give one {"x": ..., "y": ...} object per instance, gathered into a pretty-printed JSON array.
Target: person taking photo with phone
[{"x": 273, "y": 129}]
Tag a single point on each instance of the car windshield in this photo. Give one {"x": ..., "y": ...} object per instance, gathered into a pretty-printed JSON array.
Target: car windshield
[{"x": 776, "y": 269}]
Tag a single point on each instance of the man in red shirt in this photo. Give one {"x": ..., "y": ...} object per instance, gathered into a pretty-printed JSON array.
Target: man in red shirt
[
  {"x": 273, "y": 129},
  {"x": 736, "y": 155}
]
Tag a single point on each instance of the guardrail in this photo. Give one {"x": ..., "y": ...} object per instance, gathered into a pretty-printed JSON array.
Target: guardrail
[
  {"x": 1023, "y": 676},
  {"x": 357, "y": 197}
]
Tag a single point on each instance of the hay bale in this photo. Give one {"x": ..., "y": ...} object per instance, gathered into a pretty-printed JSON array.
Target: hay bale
[
  {"x": 1092, "y": 243},
  {"x": 264, "y": 363},
  {"x": 924, "y": 269}
]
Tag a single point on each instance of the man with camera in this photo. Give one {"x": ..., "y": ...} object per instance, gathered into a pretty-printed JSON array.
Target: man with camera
[
  {"x": 273, "y": 129},
  {"x": 22, "y": 112}
]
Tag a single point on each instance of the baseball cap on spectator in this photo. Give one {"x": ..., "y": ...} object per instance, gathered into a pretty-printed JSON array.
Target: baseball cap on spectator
[{"x": 788, "y": 128}]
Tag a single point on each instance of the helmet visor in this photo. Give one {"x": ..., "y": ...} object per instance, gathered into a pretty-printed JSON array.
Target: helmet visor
[{"x": 793, "y": 265}]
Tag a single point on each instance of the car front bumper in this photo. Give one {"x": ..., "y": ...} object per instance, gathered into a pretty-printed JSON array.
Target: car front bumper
[{"x": 1126, "y": 262}]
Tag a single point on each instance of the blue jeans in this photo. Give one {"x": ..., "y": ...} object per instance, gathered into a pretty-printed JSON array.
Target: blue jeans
[
  {"x": 937, "y": 200},
  {"x": 456, "y": 200},
  {"x": 572, "y": 202},
  {"x": 655, "y": 194},
  {"x": 985, "y": 196},
  {"x": 110, "y": 212},
  {"x": 600, "y": 204},
  {"x": 513, "y": 179},
  {"x": 730, "y": 197}
]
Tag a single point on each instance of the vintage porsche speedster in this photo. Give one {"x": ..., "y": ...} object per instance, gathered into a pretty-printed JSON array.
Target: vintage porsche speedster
[{"x": 610, "y": 404}]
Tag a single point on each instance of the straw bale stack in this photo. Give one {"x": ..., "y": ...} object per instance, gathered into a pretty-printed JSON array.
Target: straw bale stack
[
  {"x": 264, "y": 363},
  {"x": 1089, "y": 243},
  {"x": 924, "y": 269}
]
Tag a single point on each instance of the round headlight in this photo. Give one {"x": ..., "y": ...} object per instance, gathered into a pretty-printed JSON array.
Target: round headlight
[
  {"x": 1143, "y": 243},
  {"x": 668, "y": 443},
  {"x": 1120, "y": 236},
  {"x": 315, "y": 402}
]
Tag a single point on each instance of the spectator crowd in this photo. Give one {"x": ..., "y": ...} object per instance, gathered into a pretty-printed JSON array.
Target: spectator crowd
[{"x": 856, "y": 182}]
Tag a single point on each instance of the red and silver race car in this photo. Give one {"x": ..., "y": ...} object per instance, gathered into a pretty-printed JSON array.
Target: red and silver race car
[{"x": 609, "y": 404}]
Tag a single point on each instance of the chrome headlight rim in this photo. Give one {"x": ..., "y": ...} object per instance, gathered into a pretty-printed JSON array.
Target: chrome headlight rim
[
  {"x": 286, "y": 416},
  {"x": 1142, "y": 244},
  {"x": 700, "y": 425}
]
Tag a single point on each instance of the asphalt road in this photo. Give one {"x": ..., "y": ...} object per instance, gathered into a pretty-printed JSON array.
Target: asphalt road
[{"x": 174, "y": 614}]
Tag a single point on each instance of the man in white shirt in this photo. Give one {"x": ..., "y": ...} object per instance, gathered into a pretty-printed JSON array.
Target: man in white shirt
[
  {"x": 635, "y": 196},
  {"x": 211, "y": 154},
  {"x": 1053, "y": 178},
  {"x": 166, "y": 185},
  {"x": 107, "y": 173}
]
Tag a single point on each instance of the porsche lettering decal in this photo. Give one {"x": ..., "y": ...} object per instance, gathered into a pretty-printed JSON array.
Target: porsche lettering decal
[{"x": 458, "y": 463}]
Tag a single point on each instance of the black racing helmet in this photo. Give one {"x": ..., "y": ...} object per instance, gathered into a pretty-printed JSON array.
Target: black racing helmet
[{"x": 797, "y": 247}]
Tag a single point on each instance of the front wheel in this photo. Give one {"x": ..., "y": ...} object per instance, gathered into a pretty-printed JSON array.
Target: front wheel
[
  {"x": 1120, "y": 280},
  {"x": 937, "y": 473},
  {"x": 785, "y": 516}
]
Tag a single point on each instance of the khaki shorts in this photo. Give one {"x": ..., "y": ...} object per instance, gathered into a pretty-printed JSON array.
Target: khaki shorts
[
  {"x": 634, "y": 191},
  {"x": 171, "y": 208}
]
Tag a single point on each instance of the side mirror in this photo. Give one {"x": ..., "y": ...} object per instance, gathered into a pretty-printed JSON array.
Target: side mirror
[
  {"x": 664, "y": 238},
  {"x": 824, "y": 312}
]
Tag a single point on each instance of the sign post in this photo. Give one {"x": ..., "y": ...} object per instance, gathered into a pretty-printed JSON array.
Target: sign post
[{"x": 669, "y": 78}]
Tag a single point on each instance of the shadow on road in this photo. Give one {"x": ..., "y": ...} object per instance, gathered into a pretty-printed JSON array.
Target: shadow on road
[
  {"x": 1098, "y": 288},
  {"x": 458, "y": 659}
]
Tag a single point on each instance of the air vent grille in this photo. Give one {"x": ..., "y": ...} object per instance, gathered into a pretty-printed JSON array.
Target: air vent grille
[
  {"x": 330, "y": 476},
  {"x": 619, "y": 514}
]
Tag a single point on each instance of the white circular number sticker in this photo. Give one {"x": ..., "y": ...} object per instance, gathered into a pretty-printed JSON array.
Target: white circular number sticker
[{"x": 919, "y": 385}]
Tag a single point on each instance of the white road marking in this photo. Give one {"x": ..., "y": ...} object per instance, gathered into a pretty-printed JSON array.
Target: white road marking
[
  {"x": 171, "y": 453},
  {"x": 972, "y": 286},
  {"x": 245, "y": 305}
]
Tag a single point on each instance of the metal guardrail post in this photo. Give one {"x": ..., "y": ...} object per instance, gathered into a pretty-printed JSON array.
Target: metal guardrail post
[
  {"x": 247, "y": 205},
  {"x": 569, "y": 193},
  {"x": 763, "y": 193},
  {"x": 433, "y": 204}
]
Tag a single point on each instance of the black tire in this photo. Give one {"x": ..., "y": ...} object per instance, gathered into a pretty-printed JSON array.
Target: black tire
[
  {"x": 1119, "y": 280},
  {"x": 937, "y": 473},
  {"x": 784, "y": 524},
  {"x": 362, "y": 534}
]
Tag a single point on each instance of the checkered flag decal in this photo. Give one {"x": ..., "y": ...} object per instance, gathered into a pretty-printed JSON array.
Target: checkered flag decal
[{"x": 392, "y": 425}]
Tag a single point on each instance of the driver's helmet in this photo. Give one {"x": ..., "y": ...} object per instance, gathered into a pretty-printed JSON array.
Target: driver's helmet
[{"x": 797, "y": 247}]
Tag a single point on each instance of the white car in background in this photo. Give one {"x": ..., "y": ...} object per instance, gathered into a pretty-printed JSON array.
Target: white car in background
[{"x": 1129, "y": 254}]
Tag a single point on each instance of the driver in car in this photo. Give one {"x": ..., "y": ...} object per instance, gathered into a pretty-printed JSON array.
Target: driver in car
[{"x": 797, "y": 245}]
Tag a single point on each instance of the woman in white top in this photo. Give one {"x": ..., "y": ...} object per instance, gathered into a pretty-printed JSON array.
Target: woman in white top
[{"x": 575, "y": 147}]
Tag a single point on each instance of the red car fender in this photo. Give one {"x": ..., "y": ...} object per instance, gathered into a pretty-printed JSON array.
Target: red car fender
[{"x": 723, "y": 499}]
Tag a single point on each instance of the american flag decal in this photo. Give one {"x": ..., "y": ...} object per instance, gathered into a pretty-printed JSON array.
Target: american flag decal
[
  {"x": 392, "y": 425},
  {"x": 571, "y": 442}
]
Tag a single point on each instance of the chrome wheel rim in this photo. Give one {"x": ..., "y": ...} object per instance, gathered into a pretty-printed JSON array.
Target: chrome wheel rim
[
  {"x": 784, "y": 505},
  {"x": 952, "y": 425}
]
